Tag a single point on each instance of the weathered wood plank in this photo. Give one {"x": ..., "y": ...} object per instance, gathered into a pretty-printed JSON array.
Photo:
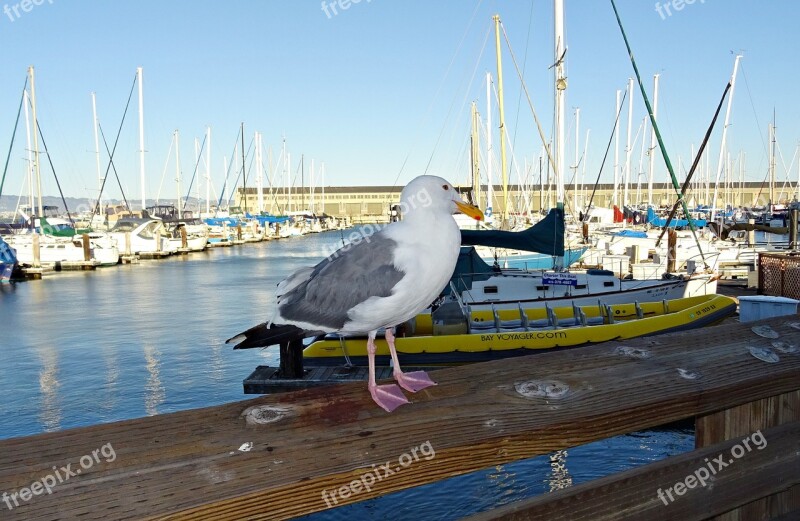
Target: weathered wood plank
[
  {"x": 634, "y": 494},
  {"x": 189, "y": 464},
  {"x": 740, "y": 421},
  {"x": 265, "y": 379}
]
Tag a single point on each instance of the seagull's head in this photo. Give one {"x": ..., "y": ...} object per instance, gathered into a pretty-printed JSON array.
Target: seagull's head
[{"x": 434, "y": 194}]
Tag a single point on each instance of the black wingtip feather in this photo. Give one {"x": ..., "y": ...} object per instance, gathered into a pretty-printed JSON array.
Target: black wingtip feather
[{"x": 263, "y": 336}]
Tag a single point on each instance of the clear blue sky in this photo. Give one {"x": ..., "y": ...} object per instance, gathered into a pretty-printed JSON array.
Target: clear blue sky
[{"x": 381, "y": 81}]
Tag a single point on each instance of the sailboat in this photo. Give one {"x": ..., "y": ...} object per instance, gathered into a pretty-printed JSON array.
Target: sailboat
[
  {"x": 506, "y": 257},
  {"x": 57, "y": 239},
  {"x": 480, "y": 286}
]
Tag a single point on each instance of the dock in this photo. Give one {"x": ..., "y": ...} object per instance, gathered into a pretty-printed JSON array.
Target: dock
[{"x": 290, "y": 454}]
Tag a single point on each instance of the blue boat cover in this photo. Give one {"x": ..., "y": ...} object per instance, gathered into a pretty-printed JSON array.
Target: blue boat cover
[
  {"x": 546, "y": 236},
  {"x": 7, "y": 255},
  {"x": 660, "y": 222},
  {"x": 270, "y": 219},
  {"x": 220, "y": 221},
  {"x": 638, "y": 234}
]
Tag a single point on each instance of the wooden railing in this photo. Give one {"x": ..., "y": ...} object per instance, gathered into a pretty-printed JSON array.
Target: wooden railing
[{"x": 275, "y": 457}]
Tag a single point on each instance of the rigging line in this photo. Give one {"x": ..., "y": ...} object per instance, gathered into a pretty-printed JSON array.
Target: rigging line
[
  {"x": 228, "y": 172},
  {"x": 452, "y": 103},
  {"x": 242, "y": 171},
  {"x": 661, "y": 145},
  {"x": 196, "y": 164},
  {"x": 753, "y": 106},
  {"x": 691, "y": 172},
  {"x": 13, "y": 136},
  {"x": 524, "y": 66},
  {"x": 50, "y": 161},
  {"x": 438, "y": 89},
  {"x": 112, "y": 165},
  {"x": 164, "y": 170},
  {"x": 758, "y": 125},
  {"x": 530, "y": 103},
  {"x": 111, "y": 156},
  {"x": 605, "y": 156}
]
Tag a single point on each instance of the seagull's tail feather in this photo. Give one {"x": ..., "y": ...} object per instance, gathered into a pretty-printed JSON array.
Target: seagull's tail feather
[{"x": 264, "y": 335}]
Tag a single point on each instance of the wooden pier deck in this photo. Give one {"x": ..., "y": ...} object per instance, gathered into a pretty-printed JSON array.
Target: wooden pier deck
[
  {"x": 265, "y": 380},
  {"x": 289, "y": 454}
]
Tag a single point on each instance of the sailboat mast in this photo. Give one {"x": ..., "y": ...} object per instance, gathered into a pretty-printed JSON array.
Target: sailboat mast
[
  {"x": 225, "y": 184},
  {"x": 197, "y": 157},
  {"x": 141, "y": 134},
  {"x": 289, "y": 180},
  {"x": 615, "y": 197},
  {"x": 489, "y": 185},
  {"x": 475, "y": 167},
  {"x": 771, "y": 163},
  {"x": 652, "y": 150},
  {"x": 724, "y": 136},
  {"x": 311, "y": 188},
  {"x": 583, "y": 174},
  {"x": 259, "y": 173},
  {"x": 560, "y": 102},
  {"x": 628, "y": 148},
  {"x": 36, "y": 142},
  {"x": 97, "y": 152},
  {"x": 577, "y": 159},
  {"x": 322, "y": 175},
  {"x": 285, "y": 175},
  {"x": 30, "y": 152},
  {"x": 503, "y": 169},
  {"x": 244, "y": 171},
  {"x": 208, "y": 170},
  {"x": 178, "y": 170}
]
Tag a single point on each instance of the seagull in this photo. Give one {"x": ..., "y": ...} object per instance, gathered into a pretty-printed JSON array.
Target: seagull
[{"x": 376, "y": 282}]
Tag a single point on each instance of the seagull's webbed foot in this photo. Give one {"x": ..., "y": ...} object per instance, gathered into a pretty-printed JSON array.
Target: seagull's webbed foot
[
  {"x": 388, "y": 396},
  {"x": 413, "y": 381}
]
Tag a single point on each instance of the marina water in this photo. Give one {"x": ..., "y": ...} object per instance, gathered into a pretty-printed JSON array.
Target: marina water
[{"x": 83, "y": 348}]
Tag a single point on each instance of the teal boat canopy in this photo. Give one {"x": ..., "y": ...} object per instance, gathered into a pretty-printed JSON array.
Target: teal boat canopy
[
  {"x": 546, "y": 236},
  {"x": 469, "y": 269}
]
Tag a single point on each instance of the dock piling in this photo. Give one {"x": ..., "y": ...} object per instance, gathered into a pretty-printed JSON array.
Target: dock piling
[
  {"x": 87, "y": 251},
  {"x": 37, "y": 258}
]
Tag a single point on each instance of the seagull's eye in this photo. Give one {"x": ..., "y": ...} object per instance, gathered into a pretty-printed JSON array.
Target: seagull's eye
[{"x": 445, "y": 187}]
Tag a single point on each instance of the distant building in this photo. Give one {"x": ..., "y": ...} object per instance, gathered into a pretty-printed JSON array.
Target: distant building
[{"x": 374, "y": 203}]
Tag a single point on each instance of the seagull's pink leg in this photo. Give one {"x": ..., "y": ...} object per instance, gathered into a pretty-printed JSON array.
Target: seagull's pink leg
[
  {"x": 413, "y": 381},
  {"x": 388, "y": 396}
]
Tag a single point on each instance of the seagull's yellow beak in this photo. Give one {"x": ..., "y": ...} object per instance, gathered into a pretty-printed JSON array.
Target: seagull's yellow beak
[{"x": 468, "y": 209}]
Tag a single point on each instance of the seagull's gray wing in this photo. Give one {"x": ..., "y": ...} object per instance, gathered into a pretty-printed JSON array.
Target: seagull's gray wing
[{"x": 341, "y": 282}]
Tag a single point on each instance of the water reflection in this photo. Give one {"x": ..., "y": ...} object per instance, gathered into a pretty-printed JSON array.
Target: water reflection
[
  {"x": 108, "y": 400},
  {"x": 506, "y": 484},
  {"x": 217, "y": 364},
  {"x": 153, "y": 389},
  {"x": 50, "y": 412},
  {"x": 559, "y": 477}
]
